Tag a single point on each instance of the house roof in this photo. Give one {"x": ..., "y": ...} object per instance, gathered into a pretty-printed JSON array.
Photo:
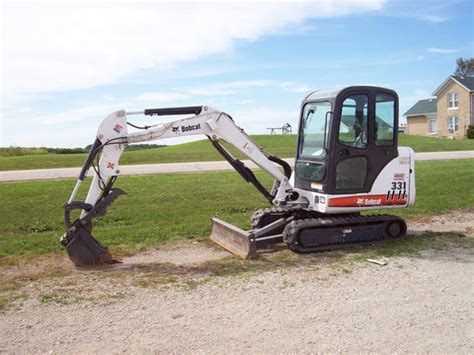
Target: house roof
[
  {"x": 466, "y": 82},
  {"x": 422, "y": 107}
]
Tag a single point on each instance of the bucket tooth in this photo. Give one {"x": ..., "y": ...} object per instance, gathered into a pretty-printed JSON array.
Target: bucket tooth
[{"x": 233, "y": 239}]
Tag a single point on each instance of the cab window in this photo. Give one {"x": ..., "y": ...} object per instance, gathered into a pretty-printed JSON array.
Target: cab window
[
  {"x": 353, "y": 123},
  {"x": 351, "y": 173},
  {"x": 315, "y": 123},
  {"x": 384, "y": 119}
]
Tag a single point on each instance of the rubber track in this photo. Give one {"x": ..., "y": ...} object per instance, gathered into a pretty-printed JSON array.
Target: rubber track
[
  {"x": 291, "y": 231},
  {"x": 263, "y": 214}
]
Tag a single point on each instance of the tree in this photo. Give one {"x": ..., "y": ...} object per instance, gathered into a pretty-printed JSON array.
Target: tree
[{"x": 465, "y": 67}]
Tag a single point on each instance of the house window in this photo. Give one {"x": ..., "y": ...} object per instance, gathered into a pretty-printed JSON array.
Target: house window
[
  {"x": 453, "y": 100},
  {"x": 453, "y": 124},
  {"x": 432, "y": 126}
]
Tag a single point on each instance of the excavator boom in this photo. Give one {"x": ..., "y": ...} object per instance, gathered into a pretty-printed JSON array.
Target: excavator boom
[{"x": 113, "y": 136}]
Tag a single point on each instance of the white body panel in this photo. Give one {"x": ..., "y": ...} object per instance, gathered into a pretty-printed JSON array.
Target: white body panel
[
  {"x": 113, "y": 128},
  {"x": 393, "y": 188}
]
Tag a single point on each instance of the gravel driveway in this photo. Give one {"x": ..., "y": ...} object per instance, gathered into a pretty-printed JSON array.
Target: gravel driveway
[{"x": 418, "y": 303}]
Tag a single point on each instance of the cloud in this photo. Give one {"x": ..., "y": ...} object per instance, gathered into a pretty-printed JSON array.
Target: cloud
[
  {"x": 161, "y": 97},
  {"x": 245, "y": 102},
  {"x": 295, "y": 87},
  {"x": 98, "y": 111},
  {"x": 229, "y": 88},
  {"x": 432, "y": 11},
  {"x": 434, "y": 18},
  {"x": 54, "y": 46},
  {"x": 442, "y": 50},
  {"x": 236, "y": 87}
]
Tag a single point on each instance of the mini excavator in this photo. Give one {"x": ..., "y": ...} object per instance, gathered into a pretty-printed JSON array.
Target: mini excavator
[{"x": 347, "y": 162}]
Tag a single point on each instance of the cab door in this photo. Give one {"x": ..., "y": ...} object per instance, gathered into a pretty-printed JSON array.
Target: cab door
[
  {"x": 311, "y": 155},
  {"x": 364, "y": 138}
]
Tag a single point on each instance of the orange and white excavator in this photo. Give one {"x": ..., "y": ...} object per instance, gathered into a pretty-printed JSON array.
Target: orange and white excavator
[{"x": 347, "y": 162}]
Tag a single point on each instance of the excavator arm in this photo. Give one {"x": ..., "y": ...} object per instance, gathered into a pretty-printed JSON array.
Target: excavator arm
[{"x": 104, "y": 156}]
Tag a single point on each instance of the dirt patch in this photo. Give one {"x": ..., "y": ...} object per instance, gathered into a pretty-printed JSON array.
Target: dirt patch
[
  {"x": 179, "y": 254},
  {"x": 455, "y": 221}
]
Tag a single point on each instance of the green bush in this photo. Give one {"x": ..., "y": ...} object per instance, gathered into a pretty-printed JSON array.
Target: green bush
[
  {"x": 19, "y": 151},
  {"x": 470, "y": 132},
  {"x": 66, "y": 150}
]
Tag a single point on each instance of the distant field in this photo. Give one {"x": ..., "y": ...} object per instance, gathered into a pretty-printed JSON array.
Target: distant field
[
  {"x": 165, "y": 207},
  {"x": 280, "y": 145}
]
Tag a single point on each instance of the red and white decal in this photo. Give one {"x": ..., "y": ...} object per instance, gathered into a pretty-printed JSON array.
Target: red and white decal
[
  {"x": 118, "y": 128},
  {"x": 368, "y": 201},
  {"x": 399, "y": 177},
  {"x": 110, "y": 165}
]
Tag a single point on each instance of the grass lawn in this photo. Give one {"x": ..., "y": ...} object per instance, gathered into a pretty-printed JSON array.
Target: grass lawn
[
  {"x": 165, "y": 207},
  {"x": 283, "y": 146}
]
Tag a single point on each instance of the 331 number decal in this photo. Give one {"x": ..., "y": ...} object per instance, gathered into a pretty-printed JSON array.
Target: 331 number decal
[
  {"x": 400, "y": 185},
  {"x": 397, "y": 191}
]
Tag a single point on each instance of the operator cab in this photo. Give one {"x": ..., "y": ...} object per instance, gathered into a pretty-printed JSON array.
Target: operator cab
[{"x": 346, "y": 138}]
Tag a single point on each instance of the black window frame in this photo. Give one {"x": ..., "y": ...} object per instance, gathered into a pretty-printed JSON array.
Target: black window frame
[
  {"x": 323, "y": 163},
  {"x": 377, "y": 156},
  {"x": 327, "y": 145},
  {"x": 395, "y": 119},
  {"x": 327, "y": 136},
  {"x": 340, "y": 119}
]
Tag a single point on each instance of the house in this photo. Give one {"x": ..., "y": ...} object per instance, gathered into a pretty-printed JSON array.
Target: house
[
  {"x": 455, "y": 106},
  {"x": 449, "y": 115},
  {"x": 422, "y": 118}
]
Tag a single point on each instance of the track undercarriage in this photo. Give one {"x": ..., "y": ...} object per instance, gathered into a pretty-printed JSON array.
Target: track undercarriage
[{"x": 306, "y": 231}]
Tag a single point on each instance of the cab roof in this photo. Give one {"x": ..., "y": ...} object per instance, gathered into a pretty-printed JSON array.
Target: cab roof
[{"x": 331, "y": 94}]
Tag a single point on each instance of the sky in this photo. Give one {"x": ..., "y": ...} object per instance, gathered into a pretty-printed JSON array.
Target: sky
[{"x": 67, "y": 65}]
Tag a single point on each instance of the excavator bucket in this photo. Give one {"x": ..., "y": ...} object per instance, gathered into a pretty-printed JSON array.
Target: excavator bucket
[
  {"x": 84, "y": 250},
  {"x": 233, "y": 239}
]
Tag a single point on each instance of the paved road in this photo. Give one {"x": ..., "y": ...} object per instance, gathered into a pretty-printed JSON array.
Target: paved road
[{"x": 65, "y": 173}]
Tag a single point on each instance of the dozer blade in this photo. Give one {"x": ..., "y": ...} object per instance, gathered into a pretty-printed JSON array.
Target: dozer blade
[
  {"x": 233, "y": 239},
  {"x": 84, "y": 250}
]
